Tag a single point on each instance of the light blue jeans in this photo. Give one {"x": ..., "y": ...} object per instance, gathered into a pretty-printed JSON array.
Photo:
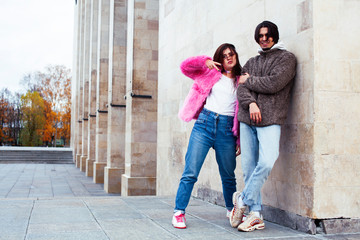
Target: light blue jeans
[
  {"x": 211, "y": 130},
  {"x": 259, "y": 151}
]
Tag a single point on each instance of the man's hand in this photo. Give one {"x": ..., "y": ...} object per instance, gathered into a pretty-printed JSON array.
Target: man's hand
[
  {"x": 255, "y": 114},
  {"x": 238, "y": 150},
  {"x": 243, "y": 78},
  {"x": 211, "y": 64}
]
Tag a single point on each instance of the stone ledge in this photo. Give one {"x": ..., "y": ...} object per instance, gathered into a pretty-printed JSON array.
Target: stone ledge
[
  {"x": 289, "y": 219},
  {"x": 99, "y": 172},
  {"x": 311, "y": 226},
  {"x": 341, "y": 225},
  {"x": 89, "y": 171},
  {"x": 83, "y": 163},
  {"x": 112, "y": 179},
  {"x": 138, "y": 186}
]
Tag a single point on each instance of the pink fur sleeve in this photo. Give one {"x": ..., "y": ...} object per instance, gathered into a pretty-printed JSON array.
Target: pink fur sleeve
[
  {"x": 194, "y": 66},
  {"x": 235, "y": 128}
]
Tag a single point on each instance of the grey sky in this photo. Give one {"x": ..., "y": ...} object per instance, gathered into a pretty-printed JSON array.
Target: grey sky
[{"x": 34, "y": 34}]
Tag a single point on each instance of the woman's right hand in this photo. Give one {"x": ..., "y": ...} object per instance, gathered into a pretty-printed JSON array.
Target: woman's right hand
[
  {"x": 211, "y": 64},
  {"x": 255, "y": 114},
  {"x": 238, "y": 150}
]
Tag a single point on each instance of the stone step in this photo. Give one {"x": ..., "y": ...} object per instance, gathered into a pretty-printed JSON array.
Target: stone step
[{"x": 35, "y": 155}]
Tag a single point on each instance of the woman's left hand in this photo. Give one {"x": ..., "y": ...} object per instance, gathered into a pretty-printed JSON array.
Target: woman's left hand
[
  {"x": 243, "y": 78},
  {"x": 211, "y": 64},
  {"x": 238, "y": 150}
]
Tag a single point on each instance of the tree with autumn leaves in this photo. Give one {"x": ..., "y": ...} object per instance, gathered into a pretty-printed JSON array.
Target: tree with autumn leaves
[
  {"x": 45, "y": 109},
  {"x": 9, "y": 117},
  {"x": 56, "y": 91}
]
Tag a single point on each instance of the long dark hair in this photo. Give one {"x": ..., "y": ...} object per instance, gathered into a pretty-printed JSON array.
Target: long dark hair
[
  {"x": 218, "y": 57},
  {"x": 272, "y": 31}
]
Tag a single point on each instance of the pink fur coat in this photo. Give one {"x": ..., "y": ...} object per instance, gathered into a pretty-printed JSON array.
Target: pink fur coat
[{"x": 204, "y": 80}]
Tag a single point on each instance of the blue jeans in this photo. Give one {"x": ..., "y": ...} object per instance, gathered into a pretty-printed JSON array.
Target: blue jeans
[
  {"x": 210, "y": 130},
  {"x": 259, "y": 151}
]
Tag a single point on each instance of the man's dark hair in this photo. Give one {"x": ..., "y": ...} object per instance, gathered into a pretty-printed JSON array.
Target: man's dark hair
[{"x": 272, "y": 31}]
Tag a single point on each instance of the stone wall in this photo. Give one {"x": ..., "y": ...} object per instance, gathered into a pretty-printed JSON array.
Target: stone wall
[
  {"x": 315, "y": 175},
  {"x": 129, "y": 74},
  {"x": 336, "y": 110}
]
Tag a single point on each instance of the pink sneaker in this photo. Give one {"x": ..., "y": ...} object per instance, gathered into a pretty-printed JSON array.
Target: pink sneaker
[{"x": 178, "y": 220}]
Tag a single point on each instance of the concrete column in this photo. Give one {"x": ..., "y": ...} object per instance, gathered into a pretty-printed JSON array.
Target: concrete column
[
  {"x": 85, "y": 100},
  {"x": 80, "y": 82},
  {"x": 102, "y": 91},
  {"x": 141, "y": 102},
  {"x": 74, "y": 82},
  {"x": 89, "y": 170},
  {"x": 117, "y": 90}
]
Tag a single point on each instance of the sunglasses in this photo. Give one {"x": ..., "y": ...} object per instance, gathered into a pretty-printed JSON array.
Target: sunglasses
[
  {"x": 228, "y": 55},
  {"x": 264, "y": 35}
]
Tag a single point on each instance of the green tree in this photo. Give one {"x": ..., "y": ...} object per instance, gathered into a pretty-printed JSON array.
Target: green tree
[{"x": 33, "y": 119}]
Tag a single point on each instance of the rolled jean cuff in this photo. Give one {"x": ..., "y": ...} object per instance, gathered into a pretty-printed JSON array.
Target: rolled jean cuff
[
  {"x": 177, "y": 210},
  {"x": 255, "y": 208}
]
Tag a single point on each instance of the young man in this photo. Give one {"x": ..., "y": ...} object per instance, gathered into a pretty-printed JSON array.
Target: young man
[{"x": 264, "y": 95}]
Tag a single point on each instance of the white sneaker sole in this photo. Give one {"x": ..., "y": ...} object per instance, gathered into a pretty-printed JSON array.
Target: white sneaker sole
[
  {"x": 179, "y": 227},
  {"x": 250, "y": 229}
]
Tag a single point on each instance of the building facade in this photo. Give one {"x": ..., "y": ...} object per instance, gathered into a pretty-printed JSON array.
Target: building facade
[{"x": 128, "y": 88}]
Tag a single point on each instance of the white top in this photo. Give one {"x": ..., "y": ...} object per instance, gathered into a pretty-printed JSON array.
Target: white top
[{"x": 222, "y": 98}]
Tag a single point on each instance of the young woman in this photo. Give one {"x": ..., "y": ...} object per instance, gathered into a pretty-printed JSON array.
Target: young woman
[{"x": 212, "y": 101}]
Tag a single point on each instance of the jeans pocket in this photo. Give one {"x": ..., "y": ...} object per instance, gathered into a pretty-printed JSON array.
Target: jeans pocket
[
  {"x": 202, "y": 118},
  {"x": 201, "y": 123}
]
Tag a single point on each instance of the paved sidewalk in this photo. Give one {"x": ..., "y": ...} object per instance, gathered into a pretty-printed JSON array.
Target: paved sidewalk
[
  {"x": 45, "y": 201},
  {"x": 46, "y": 181}
]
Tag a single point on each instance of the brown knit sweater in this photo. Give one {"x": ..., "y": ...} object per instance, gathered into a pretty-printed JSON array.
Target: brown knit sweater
[{"x": 272, "y": 75}]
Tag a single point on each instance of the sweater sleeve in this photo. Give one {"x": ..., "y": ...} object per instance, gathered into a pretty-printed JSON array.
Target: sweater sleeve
[
  {"x": 281, "y": 74},
  {"x": 244, "y": 96},
  {"x": 194, "y": 66}
]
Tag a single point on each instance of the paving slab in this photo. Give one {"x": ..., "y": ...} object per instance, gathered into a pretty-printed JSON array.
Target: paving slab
[{"x": 45, "y": 202}]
